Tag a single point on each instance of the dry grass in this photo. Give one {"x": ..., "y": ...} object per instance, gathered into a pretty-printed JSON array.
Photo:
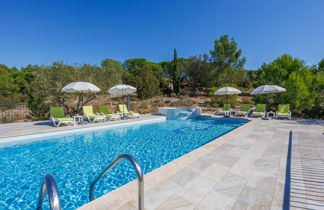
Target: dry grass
[{"x": 151, "y": 105}]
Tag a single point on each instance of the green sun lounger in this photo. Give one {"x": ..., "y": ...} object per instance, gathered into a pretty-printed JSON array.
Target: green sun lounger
[
  {"x": 89, "y": 115},
  {"x": 284, "y": 111},
  {"x": 259, "y": 111},
  {"x": 123, "y": 109},
  {"x": 244, "y": 110},
  {"x": 225, "y": 110},
  {"x": 103, "y": 110},
  {"x": 57, "y": 116}
]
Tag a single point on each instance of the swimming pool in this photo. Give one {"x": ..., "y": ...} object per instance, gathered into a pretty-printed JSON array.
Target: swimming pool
[{"x": 76, "y": 159}]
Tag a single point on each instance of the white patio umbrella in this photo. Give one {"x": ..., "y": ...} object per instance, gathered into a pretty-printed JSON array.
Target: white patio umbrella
[
  {"x": 227, "y": 91},
  {"x": 81, "y": 87},
  {"x": 122, "y": 90},
  {"x": 264, "y": 89}
]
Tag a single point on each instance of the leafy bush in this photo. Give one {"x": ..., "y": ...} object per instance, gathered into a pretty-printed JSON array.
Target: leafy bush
[
  {"x": 145, "y": 81},
  {"x": 38, "y": 109},
  {"x": 214, "y": 105},
  {"x": 173, "y": 95}
]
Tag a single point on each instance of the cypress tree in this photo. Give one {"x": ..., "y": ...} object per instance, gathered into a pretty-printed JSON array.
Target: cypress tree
[{"x": 176, "y": 73}]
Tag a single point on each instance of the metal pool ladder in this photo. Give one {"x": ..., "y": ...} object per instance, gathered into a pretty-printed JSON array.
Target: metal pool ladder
[
  {"x": 139, "y": 173},
  {"x": 53, "y": 195}
]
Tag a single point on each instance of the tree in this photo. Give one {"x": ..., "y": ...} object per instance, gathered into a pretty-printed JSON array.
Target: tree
[
  {"x": 226, "y": 54},
  {"x": 176, "y": 73},
  {"x": 131, "y": 64},
  {"x": 7, "y": 84},
  {"x": 111, "y": 64},
  {"x": 321, "y": 65},
  {"x": 49, "y": 80},
  {"x": 25, "y": 79},
  {"x": 253, "y": 77},
  {"x": 156, "y": 69},
  {"x": 298, "y": 92},
  {"x": 145, "y": 81},
  {"x": 200, "y": 72},
  {"x": 278, "y": 71},
  {"x": 227, "y": 59}
]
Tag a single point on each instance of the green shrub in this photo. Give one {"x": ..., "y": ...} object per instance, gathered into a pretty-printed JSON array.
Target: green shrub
[
  {"x": 214, "y": 105},
  {"x": 38, "y": 109},
  {"x": 173, "y": 94}
]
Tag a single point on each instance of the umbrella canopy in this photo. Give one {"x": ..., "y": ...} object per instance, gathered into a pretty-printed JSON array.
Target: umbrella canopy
[
  {"x": 264, "y": 89},
  {"x": 122, "y": 90},
  {"x": 80, "y": 87},
  {"x": 227, "y": 91}
]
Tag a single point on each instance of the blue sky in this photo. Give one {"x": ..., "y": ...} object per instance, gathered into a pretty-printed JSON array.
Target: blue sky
[{"x": 78, "y": 31}]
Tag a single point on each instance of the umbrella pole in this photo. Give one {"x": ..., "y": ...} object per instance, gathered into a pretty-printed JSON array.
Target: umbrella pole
[
  {"x": 81, "y": 102},
  {"x": 124, "y": 116},
  {"x": 229, "y": 113},
  {"x": 78, "y": 105}
]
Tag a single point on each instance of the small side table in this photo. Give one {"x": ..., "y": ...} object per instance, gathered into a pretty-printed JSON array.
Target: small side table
[
  {"x": 232, "y": 112},
  {"x": 122, "y": 115},
  {"x": 77, "y": 118},
  {"x": 271, "y": 115}
]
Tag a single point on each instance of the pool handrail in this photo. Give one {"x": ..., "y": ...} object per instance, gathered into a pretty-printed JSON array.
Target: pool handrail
[
  {"x": 139, "y": 173},
  {"x": 53, "y": 194}
]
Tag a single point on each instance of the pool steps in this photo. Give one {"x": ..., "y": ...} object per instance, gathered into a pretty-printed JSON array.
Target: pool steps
[
  {"x": 180, "y": 113},
  {"x": 53, "y": 195}
]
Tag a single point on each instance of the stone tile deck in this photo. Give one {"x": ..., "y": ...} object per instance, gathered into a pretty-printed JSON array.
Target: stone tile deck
[
  {"x": 244, "y": 169},
  {"x": 16, "y": 129}
]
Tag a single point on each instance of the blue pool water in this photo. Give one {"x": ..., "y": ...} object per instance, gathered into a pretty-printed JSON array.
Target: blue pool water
[{"x": 76, "y": 159}]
